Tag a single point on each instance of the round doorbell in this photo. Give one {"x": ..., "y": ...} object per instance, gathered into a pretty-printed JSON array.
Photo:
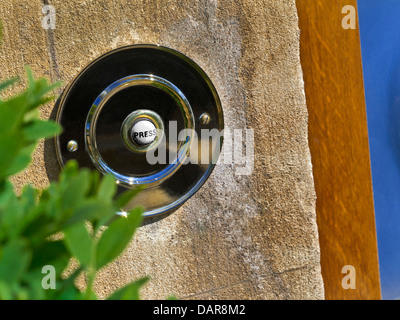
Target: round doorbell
[{"x": 148, "y": 115}]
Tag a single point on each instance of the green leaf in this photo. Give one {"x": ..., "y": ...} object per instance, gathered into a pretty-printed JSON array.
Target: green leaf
[
  {"x": 71, "y": 169},
  {"x": 126, "y": 197},
  {"x": 9, "y": 148},
  {"x": 37, "y": 89},
  {"x": 28, "y": 197},
  {"x": 4, "y": 85},
  {"x": 34, "y": 282},
  {"x": 31, "y": 115},
  {"x": 70, "y": 293},
  {"x": 92, "y": 210},
  {"x": 17, "y": 213},
  {"x": 66, "y": 289},
  {"x": 129, "y": 292},
  {"x": 76, "y": 189},
  {"x": 6, "y": 193},
  {"x": 10, "y": 218},
  {"x": 91, "y": 296},
  {"x": 107, "y": 188},
  {"x": 5, "y": 291},
  {"x": 94, "y": 183},
  {"x": 29, "y": 75},
  {"x": 14, "y": 261},
  {"x": 12, "y": 114},
  {"x": 21, "y": 161},
  {"x": 40, "y": 129},
  {"x": 117, "y": 236},
  {"x": 79, "y": 243},
  {"x": 50, "y": 253}
]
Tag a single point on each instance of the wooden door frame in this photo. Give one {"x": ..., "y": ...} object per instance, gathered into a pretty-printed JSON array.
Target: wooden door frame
[{"x": 338, "y": 138}]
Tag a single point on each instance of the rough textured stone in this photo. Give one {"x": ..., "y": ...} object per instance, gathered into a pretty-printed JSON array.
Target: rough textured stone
[{"x": 239, "y": 237}]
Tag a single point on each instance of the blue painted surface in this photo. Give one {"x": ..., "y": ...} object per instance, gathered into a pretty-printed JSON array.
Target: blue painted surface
[{"x": 380, "y": 41}]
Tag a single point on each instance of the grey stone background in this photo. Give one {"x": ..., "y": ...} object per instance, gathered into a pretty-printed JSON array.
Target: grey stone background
[{"x": 239, "y": 237}]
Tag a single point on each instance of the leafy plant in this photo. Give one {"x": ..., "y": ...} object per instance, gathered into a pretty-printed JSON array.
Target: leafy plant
[{"x": 42, "y": 230}]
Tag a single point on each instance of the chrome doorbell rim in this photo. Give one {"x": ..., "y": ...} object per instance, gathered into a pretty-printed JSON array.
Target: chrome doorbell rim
[
  {"x": 130, "y": 181},
  {"x": 114, "y": 105}
]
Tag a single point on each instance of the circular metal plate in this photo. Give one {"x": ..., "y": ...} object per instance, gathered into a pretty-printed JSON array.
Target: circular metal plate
[{"x": 143, "y": 86}]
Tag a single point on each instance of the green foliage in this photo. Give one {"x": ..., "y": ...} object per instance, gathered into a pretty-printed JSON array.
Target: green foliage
[{"x": 48, "y": 227}]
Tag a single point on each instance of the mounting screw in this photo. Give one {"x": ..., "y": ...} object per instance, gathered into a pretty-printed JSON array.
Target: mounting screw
[
  {"x": 72, "y": 146},
  {"x": 205, "y": 118}
]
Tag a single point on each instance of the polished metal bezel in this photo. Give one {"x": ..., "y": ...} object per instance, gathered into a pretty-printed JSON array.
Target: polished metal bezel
[
  {"x": 100, "y": 102},
  {"x": 71, "y": 106}
]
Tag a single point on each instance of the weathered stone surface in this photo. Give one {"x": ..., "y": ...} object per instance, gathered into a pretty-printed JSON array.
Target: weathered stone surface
[{"x": 239, "y": 237}]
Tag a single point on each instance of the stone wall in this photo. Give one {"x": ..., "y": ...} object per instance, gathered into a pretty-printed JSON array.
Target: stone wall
[{"x": 239, "y": 237}]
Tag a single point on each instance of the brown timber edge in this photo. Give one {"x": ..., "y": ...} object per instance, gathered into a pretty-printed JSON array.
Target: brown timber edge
[{"x": 338, "y": 138}]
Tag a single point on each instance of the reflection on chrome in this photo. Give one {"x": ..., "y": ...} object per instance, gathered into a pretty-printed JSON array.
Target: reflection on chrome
[{"x": 206, "y": 149}]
